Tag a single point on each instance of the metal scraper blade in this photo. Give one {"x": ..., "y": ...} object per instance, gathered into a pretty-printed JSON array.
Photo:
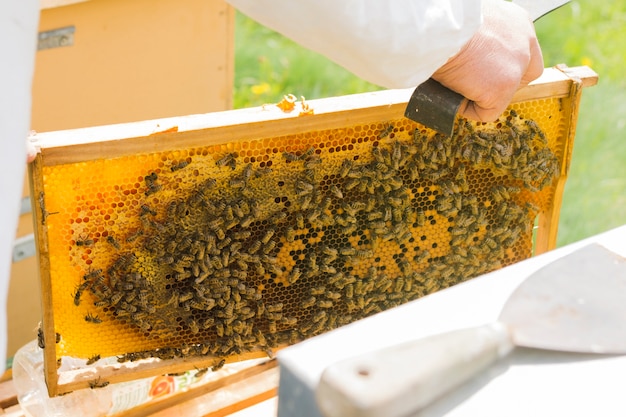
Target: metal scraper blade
[
  {"x": 575, "y": 304},
  {"x": 434, "y": 106}
]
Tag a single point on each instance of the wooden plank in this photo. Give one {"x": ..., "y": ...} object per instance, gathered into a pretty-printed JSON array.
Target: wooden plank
[
  {"x": 244, "y": 404},
  {"x": 41, "y": 243},
  {"x": 69, "y": 381},
  {"x": 548, "y": 222},
  {"x": 50, "y": 4},
  {"x": 14, "y": 411},
  {"x": 193, "y": 393},
  {"x": 62, "y": 147},
  {"x": 8, "y": 394}
]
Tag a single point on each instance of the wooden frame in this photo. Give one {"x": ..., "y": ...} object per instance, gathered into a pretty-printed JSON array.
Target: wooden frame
[{"x": 223, "y": 128}]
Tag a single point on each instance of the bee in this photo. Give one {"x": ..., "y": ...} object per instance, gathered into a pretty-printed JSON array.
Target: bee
[
  {"x": 134, "y": 236},
  {"x": 386, "y": 131},
  {"x": 97, "y": 383},
  {"x": 242, "y": 235},
  {"x": 294, "y": 275},
  {"x": 345, "y": 168},
  {"x": 291, "y": 157},
  {"x": 278, "y": 217},
  {"x": 200, "y": 372},
  {"x": 218, "y": 365},
  {"x": 309, "y": 302},
  {"x": 152, "y": 188},
  {"x": 421, "y": 257},
  {"x": 490, "y": 242},
  {"x": 312, "y": 161},
  {"x": 268, "y": 235},
  {"x": 237, "y": 182},
  {"x": 92, "y": 319},
  {"x": 313, "y": 215},
  {"x": 224, "y": 242},
  {"x": 272, "y": 327},
  {"x": 273, "y": 308},
  {"x": 228, "y": 160},
  {"x": 151, "y": 178},
  {"x": 274, "y": 316},
  {"x": 93, "y": 359},
  {"x": 79, "y": 292},
  {"x": 216, "y": 223},
  {"x": 44, "y": 212},
  {"x": 113, "y": 242},
  {"x": 396, "y": 155},
  {"x": 96, "y": 274},
  {"x": 219, "y": 329},
  {"x": 40, "y": 337},
  {"x": 395, "y": 201},
  {"x": 84, "y": 241},
  {"x": 193, "y": 326},
  {"x": 303, "y": 187},
  {"x": 308, "y": 153},
  {"x": 533, "y": 208},
  {"x": 324, "y": 303},
  {"x": 254, "y": 247},
  {"x": 247, "y": 172},
  {"x": 347, "y": 251},
  {"x": 290, "y": 234},
  {"x": 180, "y": 165},
  {"x": 289, "y": 321},
  {"x": 145, "y": 209},
  {"x": 336, "y": 191},
  {"x": 405, "y": 267},
  {"x": 333, "y": 295},
  {"x": 378, "y": 155},
  {"x": 320, "y": 315}
]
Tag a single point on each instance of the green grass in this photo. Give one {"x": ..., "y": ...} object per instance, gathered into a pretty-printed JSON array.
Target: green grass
[
  {"x": 592, "y": 33},
  {"x": 584, "y": 32},
  {"x": 269, "y": 66}
]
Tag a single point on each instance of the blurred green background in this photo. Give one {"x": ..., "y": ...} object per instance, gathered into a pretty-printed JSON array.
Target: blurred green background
[{"x": 583, "y": 32}]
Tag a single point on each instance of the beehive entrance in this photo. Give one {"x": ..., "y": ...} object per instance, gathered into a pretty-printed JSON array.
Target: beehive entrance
[{"x": 234, "y": 249}]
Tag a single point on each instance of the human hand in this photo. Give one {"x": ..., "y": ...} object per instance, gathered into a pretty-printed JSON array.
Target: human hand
[{"x": 502, "y": 56}]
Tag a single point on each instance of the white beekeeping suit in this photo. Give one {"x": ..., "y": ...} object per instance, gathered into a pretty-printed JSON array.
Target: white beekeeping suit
[
  {"x": 391, "y": 43},
  {"x": 18, "y": 43}
]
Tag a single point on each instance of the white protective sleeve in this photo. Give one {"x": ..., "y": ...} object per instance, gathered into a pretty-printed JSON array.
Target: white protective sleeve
[
  {"x": 18, "y": 43},
  {"x": 391, "y": 43}
]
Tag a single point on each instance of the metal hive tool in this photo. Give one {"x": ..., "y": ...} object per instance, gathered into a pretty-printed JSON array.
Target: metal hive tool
[{"x": 217, "y": 243}]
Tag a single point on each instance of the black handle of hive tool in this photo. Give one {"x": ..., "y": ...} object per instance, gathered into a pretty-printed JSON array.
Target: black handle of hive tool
[{"x": 434, "y": 106}]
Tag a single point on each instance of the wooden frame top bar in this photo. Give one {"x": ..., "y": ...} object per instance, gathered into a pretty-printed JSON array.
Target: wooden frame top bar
[{"x": 76, "y": 145}]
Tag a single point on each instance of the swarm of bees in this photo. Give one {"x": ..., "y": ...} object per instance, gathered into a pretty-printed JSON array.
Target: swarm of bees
[{"x": 232, "y": 273}]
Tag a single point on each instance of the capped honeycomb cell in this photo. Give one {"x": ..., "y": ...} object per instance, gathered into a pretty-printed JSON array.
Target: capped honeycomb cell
[{"x": 249, "y": 245}]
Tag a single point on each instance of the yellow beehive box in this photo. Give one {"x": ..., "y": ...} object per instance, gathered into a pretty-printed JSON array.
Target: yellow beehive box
[
  {"x": 102, "y": 61},
  {"x": 219, "y": 237}
]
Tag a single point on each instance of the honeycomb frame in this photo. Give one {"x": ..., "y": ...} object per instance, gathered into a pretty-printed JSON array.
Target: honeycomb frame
[{"x": 221, "y": 237}]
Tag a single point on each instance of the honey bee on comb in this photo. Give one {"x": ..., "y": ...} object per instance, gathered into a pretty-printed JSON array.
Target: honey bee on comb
[{"x": 253, "y": 246}]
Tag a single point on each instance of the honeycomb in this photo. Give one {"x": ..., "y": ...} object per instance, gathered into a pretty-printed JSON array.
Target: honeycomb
[{"x": 252, "y": 245}]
